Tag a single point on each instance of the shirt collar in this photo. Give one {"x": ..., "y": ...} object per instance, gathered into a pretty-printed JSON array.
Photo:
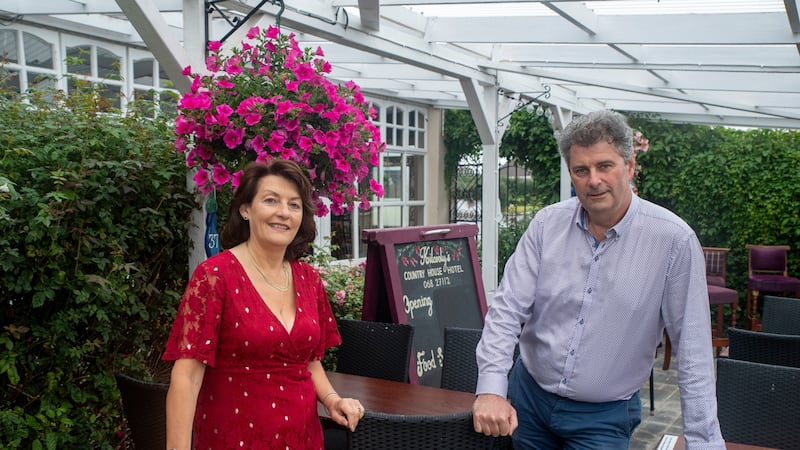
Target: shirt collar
[{"x": 621, "y": 227}]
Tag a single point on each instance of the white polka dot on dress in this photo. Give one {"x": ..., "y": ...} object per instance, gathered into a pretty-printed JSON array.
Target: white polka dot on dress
[{"x": 247, "y": 310}]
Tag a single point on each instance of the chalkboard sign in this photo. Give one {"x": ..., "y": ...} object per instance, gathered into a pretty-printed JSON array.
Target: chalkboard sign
[{"x": 428, "y": 277}]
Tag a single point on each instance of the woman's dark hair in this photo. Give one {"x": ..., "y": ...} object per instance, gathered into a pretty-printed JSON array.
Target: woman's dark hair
[{"x": 237, "y": 230}]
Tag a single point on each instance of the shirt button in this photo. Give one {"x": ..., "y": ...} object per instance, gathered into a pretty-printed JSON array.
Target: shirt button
[
  {"x": 581, "y": 322},
  {"x": 572, "y": 352},
  {"x": 597, "y": 258},
  {"x": 589, "y": 291},
  {"x": 564, "y": 381}
]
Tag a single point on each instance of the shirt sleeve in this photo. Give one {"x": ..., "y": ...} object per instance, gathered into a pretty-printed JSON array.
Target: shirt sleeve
[
  {"x": 510, "y": 308},
  {"x": 196, "y": 328},
  {"x": 688, "y": 323}
]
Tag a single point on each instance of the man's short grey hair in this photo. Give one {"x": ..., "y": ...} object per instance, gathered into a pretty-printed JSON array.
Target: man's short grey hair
[{"x": 594, "y": 127}]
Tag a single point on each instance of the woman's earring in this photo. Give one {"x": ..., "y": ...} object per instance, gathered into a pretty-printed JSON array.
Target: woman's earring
[{"x": 246, "y": 218}]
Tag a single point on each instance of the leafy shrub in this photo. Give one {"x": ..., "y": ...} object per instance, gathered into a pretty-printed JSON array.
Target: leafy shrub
[{"x": 93, "y": 218}]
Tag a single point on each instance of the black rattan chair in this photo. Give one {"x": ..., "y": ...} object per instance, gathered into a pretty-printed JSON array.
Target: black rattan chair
[
  {"x": 765, "y": 348},
  {"x": 781, "y": 315},
  {"x": 395, "y": 431},
  {"x": 757, "y": 403},
  {"x": 374, "y": 349},
  {"x": 459, "y": 367},
  {"x": 145, "y": 407}
]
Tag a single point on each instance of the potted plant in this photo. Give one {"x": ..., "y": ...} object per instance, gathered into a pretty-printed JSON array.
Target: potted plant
[{"x": 268, "y": 98}]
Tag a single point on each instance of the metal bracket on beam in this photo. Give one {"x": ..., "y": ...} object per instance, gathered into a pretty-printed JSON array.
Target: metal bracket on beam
[
  {"x": 236, "y": 22},
  {"x": 527, "y": 102}
]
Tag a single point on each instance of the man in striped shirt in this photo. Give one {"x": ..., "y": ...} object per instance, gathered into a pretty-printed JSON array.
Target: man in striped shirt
[{"x": 587, "y": 294}]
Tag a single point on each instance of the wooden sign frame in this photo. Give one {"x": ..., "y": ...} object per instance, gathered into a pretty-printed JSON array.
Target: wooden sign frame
[{"x": 428, "y": 276}]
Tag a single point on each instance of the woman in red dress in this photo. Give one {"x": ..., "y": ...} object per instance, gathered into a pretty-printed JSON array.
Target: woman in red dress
[{"x": 252, "y": 328}]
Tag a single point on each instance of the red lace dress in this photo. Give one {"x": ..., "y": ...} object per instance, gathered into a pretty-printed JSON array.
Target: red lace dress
[{"x": 257, "y": 391}]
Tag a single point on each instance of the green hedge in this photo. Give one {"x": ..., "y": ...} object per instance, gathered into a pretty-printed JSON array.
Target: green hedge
[
  {"x": 734, "y": 187},
  {"x": 93, "y": 218}
]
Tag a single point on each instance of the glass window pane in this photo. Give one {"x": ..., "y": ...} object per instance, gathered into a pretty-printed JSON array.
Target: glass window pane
[
  {"x": 342, "y": 236},
  {"x": 111, "y": 93},
  {"x": 78, "y": 60},
  {"x": 367, "y": 220},
  {"x": 412, "y": 138},
  {"x": 38, "y": 52},
  {"x": 9, "y": 82},
  {"x": 389, "y": 135},
  {"x": 416, "y": 215},
  {"x": 8, "y": 47},
  {"x": 108, "y": 65},
  {"x": 143, "y": 71},
  {"x": 411, "y": 116},
  {"x": 141, "y": 95},
  {"x": 416, "y": 177},
  {"x": 41, "y": 81},
  {"x": 421, "y": 139},
  {"x": 392, "y": 177},
  {"x": 163, "y": 80},
  {"x": 399, "y": 116},
  {"x": 390, "y": 114},
  {"x": 392, "y": 216},
  {"x": 399, "y": 141}
]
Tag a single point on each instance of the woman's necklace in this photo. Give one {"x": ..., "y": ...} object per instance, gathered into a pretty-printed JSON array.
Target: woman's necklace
[{"x": 285, "y": 286}]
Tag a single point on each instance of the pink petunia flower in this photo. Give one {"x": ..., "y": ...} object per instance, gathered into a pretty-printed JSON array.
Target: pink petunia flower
[
  {"x": 253, "y": 32},
  {"x": 220, "y": 174}
]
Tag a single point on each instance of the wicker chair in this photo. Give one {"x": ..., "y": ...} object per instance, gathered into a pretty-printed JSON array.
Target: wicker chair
[
  {"x": 145, "y": 407},
  {"x": 764, "y": 348},
  {"x": 757, "y": 403},
  {"x": 781, "y": 315},
  {"x": 460, "y": 368},
  {"x": 395, "y": 431},
  {"x": 375, "y": 349}
]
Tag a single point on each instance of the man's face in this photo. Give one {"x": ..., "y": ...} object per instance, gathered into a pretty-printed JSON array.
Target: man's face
[{"x": 602, "y": 181}]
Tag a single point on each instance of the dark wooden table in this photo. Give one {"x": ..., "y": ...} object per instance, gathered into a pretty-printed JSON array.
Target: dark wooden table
[
  {"x": 681, "y": 445},
  {"x": 393, "y": 397}
]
